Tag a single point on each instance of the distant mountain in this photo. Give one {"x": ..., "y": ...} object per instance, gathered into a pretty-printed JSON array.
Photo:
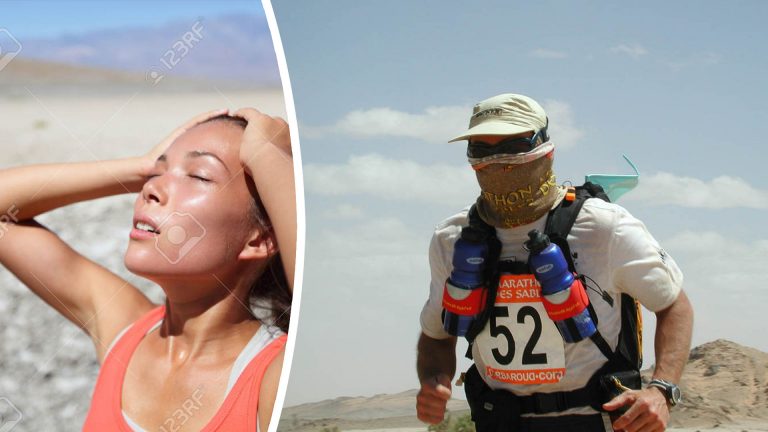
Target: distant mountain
[
  {"x": 230, "y": 47},
  {"x": 364, "y": 408},
  {"x": 45, "y": 77},
  {"x": 724, "y": 384}
]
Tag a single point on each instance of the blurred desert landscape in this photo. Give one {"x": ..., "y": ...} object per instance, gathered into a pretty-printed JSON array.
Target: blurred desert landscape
[
  {"x": 55, "y": 112},
  {"x": 725, "y": 389}
]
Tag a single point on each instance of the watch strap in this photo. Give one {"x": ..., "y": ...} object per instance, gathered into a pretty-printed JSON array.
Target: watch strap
[{"x": 668, "y": 389}]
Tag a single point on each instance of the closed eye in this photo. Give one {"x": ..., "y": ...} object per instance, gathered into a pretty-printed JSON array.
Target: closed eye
[{"x": 200, "y": 178}]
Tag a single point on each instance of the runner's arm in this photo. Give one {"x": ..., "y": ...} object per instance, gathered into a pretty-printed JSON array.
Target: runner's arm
[
  {"x": 674, "y": 326},
  {"x": 435, "y": 366},
  {"x": 436, "y": 357},
  {"x": 649, "y": 407}
]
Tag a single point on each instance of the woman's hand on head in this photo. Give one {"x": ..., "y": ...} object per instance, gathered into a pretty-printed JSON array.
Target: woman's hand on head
[
  {"x": 159, "y": 149},
  {"x": 262, "y": 132},
  {"x": 267, "y": 158}
]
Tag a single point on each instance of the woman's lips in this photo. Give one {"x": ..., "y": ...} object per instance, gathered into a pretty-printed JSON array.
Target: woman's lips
[
  {"x": 144, "y": 227},
  {"x": 137, "y": 234}
]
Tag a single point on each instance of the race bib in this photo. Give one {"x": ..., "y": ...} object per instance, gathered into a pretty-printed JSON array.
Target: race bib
[{"x": 520, "y": 344}]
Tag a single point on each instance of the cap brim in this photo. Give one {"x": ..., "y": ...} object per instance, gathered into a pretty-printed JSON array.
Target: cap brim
[{"x": 492, "y": 128}]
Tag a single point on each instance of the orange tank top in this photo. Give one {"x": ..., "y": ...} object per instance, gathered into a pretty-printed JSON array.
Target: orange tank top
[{"x": 237, "y": 412}]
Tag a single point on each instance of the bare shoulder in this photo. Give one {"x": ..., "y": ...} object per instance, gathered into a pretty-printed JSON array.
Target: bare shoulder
[{"x": 268, "y": 390}]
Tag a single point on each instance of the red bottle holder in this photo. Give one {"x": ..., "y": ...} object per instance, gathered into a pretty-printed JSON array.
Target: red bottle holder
[
  {"x": 470, "y": 305},
  {"x": 575, "y": 304}
]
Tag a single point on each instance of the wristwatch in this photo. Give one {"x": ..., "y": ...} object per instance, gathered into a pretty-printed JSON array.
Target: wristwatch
[{"x": 671, "y": 391}]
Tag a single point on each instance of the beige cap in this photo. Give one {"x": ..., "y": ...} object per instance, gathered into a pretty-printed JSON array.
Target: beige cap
[{"x": 505, "y": 114}]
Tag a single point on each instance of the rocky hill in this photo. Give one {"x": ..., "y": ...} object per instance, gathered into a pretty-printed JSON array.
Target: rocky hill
[{"x": 724, "y": 383}]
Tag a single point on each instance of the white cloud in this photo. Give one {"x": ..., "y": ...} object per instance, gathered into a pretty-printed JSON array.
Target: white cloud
[
  {"x": 393, "y": 179},
  {"x": 345, "y": 212},
  {"x": 718, "y": 261},
  {"x": 725, "y": 278},
  {"x": 376, "y": 237},
  {"x": 562, "y": 126},
  {"x": 545, "y": 53},
  {"x": 635, "y": 50},
  {"x": 435, "y": 124},
  {"x": 721, "y": 192},
  {"x": 704, "y": 59}
]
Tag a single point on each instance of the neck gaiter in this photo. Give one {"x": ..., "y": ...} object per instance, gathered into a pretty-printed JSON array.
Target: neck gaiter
[{"x": 515, "y": 194}]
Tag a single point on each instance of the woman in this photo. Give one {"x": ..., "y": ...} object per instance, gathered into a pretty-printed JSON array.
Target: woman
[{"x": 216, "y": 198}]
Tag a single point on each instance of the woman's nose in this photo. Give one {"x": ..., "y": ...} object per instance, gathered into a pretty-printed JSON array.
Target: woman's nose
[{"x": 154, "y": 190}]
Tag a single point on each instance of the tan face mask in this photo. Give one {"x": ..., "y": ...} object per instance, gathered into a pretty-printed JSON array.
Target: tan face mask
[{"x": 516, "y": 194}]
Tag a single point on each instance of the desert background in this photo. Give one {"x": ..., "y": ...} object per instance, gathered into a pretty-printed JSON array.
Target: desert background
[
  {"x": 95, "y": 96},
  {"x": 725, "y": 388}
]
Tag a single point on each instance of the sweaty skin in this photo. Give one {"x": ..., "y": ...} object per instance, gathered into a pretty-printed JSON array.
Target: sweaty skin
[{"x": 197, "y": 170}]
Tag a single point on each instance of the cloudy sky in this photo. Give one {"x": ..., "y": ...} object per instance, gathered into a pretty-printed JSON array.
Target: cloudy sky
[{"x": 679, "y": 88}]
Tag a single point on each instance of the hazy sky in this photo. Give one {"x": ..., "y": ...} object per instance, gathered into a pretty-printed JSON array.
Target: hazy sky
[
  {"x": 44, "y": 18},
  {"x": 379, "y": 88}
]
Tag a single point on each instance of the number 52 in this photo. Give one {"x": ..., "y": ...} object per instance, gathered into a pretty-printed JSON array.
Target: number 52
[{"x": 499, "y": 330}]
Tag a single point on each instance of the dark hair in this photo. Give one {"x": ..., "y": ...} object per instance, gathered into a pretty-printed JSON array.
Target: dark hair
[{"x": 270, "y": 298}]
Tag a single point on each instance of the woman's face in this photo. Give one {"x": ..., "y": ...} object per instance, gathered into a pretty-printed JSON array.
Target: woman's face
[{"x": 191, "y": 217}]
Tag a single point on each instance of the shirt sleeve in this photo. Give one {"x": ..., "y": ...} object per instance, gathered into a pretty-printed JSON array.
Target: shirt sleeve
[
  {"x": 641, "y": 267},
  {"x": 431, "y": 313}
]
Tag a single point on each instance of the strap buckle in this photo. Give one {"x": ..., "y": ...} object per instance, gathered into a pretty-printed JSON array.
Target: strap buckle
[{"x": 545, "y": 403}]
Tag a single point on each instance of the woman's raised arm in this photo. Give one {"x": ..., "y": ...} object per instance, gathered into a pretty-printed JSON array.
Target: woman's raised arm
[
  {"x": 267, "y": 157},
  {"x": 93, "y": 298}
]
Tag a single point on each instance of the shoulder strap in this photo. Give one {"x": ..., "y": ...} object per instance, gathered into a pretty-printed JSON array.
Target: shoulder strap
[
  {"x": 560, "y": 220},
  {"x": 478, "y": 230}
]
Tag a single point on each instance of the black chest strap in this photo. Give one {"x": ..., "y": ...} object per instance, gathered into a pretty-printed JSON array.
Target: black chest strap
[
  {"x": 626, "y": 358},
  {"x": 480, "y": 231}
]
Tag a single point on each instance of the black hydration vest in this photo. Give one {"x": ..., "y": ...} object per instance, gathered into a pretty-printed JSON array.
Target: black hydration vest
[{"x": 623, "y": 364}]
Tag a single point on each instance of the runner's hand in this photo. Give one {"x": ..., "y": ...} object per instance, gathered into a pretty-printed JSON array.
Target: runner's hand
[
  {"x": 648, "y": 410},
  {"x": 433, "y": 398}
]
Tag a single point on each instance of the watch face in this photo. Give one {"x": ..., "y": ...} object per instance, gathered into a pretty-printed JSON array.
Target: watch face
[{"x": 676, "y": 394}]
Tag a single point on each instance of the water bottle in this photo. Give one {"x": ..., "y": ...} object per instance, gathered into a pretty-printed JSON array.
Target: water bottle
[
  {"x": 464, "y": 294},
  {"x": 563, "y": 295}
]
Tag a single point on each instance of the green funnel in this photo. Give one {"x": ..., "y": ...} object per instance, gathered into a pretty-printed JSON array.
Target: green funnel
[{"x": 616, "y": 185}]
